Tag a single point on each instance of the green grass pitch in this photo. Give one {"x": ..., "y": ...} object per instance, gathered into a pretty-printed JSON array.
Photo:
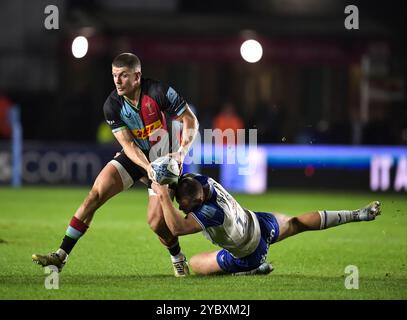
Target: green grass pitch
[{"x": 121, "y": 258}]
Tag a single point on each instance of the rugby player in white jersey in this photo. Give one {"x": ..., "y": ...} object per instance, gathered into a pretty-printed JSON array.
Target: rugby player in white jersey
[{"x": 243, "y": 235}]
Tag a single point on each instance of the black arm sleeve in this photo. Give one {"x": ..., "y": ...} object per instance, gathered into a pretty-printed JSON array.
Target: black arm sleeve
[{"x": 111, "y": 110}]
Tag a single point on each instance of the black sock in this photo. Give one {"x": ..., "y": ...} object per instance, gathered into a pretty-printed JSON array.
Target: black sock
[
  {"x": 68, "y": 244},
  {"x": 175, "y": 249},
  {"x": 75, "y": 230}
]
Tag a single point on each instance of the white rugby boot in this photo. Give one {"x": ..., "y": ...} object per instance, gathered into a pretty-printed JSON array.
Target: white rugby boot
[
  {"x": 370, "y": 212},
  {"x": 180, "y": 265}
]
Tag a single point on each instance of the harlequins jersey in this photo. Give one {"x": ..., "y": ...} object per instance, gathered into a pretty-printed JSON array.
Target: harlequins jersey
[{"x": 156, "y": 101}]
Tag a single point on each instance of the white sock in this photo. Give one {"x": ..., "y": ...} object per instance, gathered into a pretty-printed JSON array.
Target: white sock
[
  {"x": 334, "y": 218},
  {"x": 62, "y": 254},
  {"x": 179, "y": 257}
]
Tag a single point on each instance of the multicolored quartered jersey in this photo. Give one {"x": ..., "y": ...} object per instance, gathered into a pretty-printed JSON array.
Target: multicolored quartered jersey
[
  {"x": 145, "y": 119},
  {"x": 224, "y": 221}
]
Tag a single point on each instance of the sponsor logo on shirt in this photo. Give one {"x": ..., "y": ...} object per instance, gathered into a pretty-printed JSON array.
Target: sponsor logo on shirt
[{"x": 148, "y": 130}]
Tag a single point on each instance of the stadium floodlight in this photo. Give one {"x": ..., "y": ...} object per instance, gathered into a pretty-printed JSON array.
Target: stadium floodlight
[
  {"x": 79, "y": 47},
  {"x": 251, "y": 51}
]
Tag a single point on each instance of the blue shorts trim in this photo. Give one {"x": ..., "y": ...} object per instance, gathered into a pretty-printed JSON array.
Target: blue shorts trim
[{"x": 269, "y": 234}]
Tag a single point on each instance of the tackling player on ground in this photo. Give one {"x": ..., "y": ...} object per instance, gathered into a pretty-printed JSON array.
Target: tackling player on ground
[
  {"x": 244, "y": 235},
  {"x": 138, "y": 111}
]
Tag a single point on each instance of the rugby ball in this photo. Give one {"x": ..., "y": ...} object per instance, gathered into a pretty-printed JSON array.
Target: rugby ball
[{"x": 165, "y": 170}]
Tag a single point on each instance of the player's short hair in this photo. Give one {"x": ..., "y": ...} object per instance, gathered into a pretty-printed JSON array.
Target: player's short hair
[
  {"x": 189, "y": 188},
  {"x": 128, "y": 60}
]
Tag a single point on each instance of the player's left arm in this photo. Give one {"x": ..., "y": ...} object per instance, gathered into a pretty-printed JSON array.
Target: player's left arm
[
  {"x": 178, "y": 225},
  {"x": 190, "y": 127},
  {"x": 178, "y": 109}
]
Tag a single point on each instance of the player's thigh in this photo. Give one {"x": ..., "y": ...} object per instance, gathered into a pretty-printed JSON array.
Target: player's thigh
[
  {"x": 205, "y": 263},
  {"x": 284, "y": 225},
  {"x": 108, "y": 182},
  {"x": 129, "y": 172},
  {"x": 118, "y": 175}
]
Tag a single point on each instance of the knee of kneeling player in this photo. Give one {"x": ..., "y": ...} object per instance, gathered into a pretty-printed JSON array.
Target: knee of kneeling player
[
  {"x": 194, "y": 263},
  {"x": 199, "y": 266}
]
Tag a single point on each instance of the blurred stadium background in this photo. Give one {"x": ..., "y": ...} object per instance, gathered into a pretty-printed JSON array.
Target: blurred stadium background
[
  {"x": 317, "y": 83},
  {"x": 329, "y": 104}
]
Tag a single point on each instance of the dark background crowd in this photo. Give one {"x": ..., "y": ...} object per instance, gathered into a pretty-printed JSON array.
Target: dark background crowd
[{"x": 317, "y": 81}]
